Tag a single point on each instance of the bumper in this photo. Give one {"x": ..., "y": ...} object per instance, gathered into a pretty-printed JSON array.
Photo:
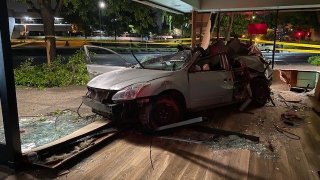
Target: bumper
[{"x": 111, "y": 111}]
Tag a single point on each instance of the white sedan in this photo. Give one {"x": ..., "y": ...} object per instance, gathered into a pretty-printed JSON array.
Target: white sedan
[{"x": 158, "y": 91}]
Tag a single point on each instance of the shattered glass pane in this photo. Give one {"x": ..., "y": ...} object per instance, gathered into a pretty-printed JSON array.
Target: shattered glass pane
[
  {"x": 235, "y": 142},
  {"x": 38, "y": 131},
  {"x": 2, "y": 138}
]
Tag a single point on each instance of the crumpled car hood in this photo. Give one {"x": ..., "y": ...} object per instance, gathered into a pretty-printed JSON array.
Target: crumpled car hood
[{"x": 120, "y": 79}]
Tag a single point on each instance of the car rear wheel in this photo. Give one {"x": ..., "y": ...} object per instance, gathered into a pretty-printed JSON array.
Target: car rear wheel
[
  {"x": 260, "y": 91},
  {"x": 163, "y": 111}
]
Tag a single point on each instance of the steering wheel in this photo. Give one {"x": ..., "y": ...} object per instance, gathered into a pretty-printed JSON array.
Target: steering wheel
[{"x": 201, "y": 50}]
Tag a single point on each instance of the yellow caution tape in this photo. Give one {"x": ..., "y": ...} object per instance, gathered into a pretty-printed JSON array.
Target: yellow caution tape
[
  {"x": 300, "y": 50},
  {"x": 21, "y": 44},
  {"x": 285, "y": 43},
  {"x": 142, "y": 43}
]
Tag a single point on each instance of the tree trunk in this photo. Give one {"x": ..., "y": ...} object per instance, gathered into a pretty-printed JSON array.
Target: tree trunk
[
  {"x": 318, "y": 17},
  {"x": 228, "y": 31},
  {"x": 46, "y": 13}
]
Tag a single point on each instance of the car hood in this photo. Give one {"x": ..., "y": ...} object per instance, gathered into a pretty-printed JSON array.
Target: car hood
[{"x": 120, "y": 79}]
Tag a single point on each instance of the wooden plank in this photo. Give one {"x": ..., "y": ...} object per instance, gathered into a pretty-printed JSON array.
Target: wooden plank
[
  {"x": 139, "y": 157},
  {"x": 295, "y": 160},
  {"x": 95, "y": 165},
  {"x": 161, "y": 156},
  {"x": 202, "y": 163},
  {"x": 180, "y": 160},
  {"x": 290, "y": 96},
  {"x": 115, "y": 163}
]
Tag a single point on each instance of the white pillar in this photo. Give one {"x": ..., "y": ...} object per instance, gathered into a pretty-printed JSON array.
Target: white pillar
[{"x": 12, "y": 22}]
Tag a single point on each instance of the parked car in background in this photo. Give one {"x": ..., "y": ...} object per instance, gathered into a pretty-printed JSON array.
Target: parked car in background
[{"x": 267, "y": 47}]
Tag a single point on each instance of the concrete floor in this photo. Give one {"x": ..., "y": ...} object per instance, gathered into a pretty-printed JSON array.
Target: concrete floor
[{"x": 34, "y": 102}]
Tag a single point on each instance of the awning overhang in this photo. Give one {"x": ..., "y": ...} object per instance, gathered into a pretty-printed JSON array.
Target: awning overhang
[{"x": 187, "y": 6}]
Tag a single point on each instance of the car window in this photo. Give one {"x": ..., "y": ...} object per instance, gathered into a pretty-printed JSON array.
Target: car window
[
  {"x": 104, "y": 56},
  {"x": 209, "y": 63},
  {"x": 169, "y": 62}
]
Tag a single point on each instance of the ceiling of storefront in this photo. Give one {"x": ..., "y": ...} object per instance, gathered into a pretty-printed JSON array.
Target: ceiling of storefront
[{"x": 184, "y": 6}]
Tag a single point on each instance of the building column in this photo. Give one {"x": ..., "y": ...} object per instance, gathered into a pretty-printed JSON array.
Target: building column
[
  {"x": 8, "y": 94},
  {"x": 194, "y": 29}
]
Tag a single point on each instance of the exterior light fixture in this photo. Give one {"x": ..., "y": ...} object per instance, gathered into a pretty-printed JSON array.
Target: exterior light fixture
[{"x": 102, "y": 5}]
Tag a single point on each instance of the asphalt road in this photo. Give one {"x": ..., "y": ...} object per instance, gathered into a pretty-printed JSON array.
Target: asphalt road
[
  {"x": 289, "y": 58},
  {"x": 39, "y": 56}
]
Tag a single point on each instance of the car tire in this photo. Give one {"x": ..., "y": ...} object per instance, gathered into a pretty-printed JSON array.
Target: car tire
[
  {"x": 164, "y": 110},
  {"x": 260, "y": 91}
]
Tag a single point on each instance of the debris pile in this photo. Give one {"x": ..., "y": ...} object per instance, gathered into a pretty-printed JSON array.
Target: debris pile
[
  {"x": 77, "y": 149},
  {"x": 235, "y": 142},
  {"x": 291, "y": 118}
]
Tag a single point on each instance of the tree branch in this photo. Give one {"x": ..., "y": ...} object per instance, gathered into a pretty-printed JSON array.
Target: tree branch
[
  {"x": 30, "y": 3},
  {"x": 58, "y": 6}
]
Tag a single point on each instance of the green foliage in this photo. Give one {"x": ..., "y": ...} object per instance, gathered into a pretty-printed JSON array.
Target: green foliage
[
  {"x": 86, "y": 15},
  {"x": 300, "y": 19},
  {"x": 314, "y": 60},
  {"x": 239, "y": 25},
  {"x": 296, "y": 19},
  {"x": 57, "y": 74},
  {"x": 132, "y": 13},
  {"x": 171, "y": 21},
  {"x": 82, "y": 13}
]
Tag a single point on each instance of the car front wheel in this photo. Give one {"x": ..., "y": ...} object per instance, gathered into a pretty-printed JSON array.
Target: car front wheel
[{"x": 163, "y": 110}]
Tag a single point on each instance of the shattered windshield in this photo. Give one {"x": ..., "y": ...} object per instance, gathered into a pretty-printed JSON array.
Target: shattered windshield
[{"x": 171, "y": 62}]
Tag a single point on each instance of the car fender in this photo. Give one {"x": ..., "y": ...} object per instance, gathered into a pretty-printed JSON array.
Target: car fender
[{"x": 178, "y": 81}]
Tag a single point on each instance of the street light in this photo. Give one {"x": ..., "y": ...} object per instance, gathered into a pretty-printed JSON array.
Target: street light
[
  {"x": 115, "y": 28},
  {"x": 102, "y": 5}
]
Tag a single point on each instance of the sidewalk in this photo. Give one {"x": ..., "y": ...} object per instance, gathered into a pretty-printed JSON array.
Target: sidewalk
[
  {"x": 34, "y": 102},
  {"x": 304, "y": 67}
]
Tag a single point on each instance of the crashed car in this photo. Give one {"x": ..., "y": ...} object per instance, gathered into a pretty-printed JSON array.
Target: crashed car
[{"x": 159, "y": 91}]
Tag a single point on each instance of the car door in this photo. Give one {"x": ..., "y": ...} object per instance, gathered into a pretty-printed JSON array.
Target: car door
[
  {"x": 210, "y": 87},
  {"x": 101, "y": 60}
]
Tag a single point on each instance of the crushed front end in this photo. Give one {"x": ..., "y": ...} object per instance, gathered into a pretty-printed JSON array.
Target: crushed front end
[{"x": 100, "y": 100}]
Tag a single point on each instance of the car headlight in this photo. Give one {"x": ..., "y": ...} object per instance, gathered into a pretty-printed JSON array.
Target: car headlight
[{"x": 130, "y": 92}]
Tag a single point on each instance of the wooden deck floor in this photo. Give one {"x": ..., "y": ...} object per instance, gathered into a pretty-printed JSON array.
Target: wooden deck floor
[{"x": 128, "y": 157}]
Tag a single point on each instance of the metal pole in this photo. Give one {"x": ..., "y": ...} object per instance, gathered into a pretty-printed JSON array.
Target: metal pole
[
  {"x": 194, "y": 29},
  {"x": 8, "y": 93},
  {"x": 100, "y": 23},
  {"x": 115, "y": 29},
  {"x": 218, "y": 28},
  {"x": 275, "y": 38}
]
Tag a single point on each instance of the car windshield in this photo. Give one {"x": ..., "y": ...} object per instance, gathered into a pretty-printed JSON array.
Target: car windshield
[{"x": 171, "y": 62}]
